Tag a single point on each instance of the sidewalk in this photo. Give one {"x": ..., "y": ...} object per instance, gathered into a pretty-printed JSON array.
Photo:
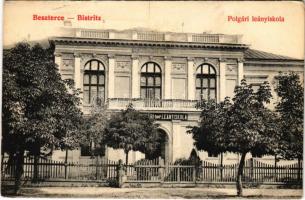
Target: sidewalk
[{"x": 153, "y": 193}]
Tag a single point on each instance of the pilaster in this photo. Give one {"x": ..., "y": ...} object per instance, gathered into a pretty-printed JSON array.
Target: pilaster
[
  {"x": 111, "y": 63},
  {"x": 240, "y": 70},
  {"x": 167, "y": 78},
  {"x": 77, "y": 72},
  {"x": 190, "y": 79},
  {"x": 58, "y": 60},
  {"x": 222, "y": 79},
  {"x": 135, "y": 81},
  {"x": 176, "y": 140}
]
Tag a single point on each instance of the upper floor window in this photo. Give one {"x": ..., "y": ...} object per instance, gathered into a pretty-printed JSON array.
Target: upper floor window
[
  {"x": 206, "y": 82},
  {"x": 94, "y": 81},
  {"x": 151, "y": 81}
]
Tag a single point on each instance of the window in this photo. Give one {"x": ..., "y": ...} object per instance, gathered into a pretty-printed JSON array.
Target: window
[
  {"x": 94, "y": 81},
  {"x": 206, "y": 82},
  {"x": 151, "y": 82}
]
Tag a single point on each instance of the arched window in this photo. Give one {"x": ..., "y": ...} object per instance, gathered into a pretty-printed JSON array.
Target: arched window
[
  {"x": 206, "y": 82},
  {"x": 94, "y": 81},
  {"x": 151, "y": 81}
]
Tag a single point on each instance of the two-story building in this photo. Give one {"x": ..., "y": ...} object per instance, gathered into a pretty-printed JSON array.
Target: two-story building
[{"x": 162, "y": 73}]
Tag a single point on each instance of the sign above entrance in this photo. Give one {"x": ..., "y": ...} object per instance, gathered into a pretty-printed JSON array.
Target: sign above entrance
[{"x": 169, "y": 116}]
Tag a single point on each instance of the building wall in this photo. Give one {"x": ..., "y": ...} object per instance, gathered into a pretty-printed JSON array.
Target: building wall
[
  {"x": 178, "y": 66},
  {"x": 256, "y": 74}
]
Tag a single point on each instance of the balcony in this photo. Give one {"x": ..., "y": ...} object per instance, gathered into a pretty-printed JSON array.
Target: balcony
[
  {"x": 149, "y": 104},
  {"x": 141, "y": 35}
]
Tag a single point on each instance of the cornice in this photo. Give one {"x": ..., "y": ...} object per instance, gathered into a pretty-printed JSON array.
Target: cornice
[
  {"x": 111, "y": 56},
  {"x": 240, "y": 60},
  {"x": 58, "y": 54},
  {"x": 274, "y": 62},
  {"x": 71, "y": 40},
  {"x": 222, "y": 59},
  {"x": 190, "y": 59},
  {"x": 135, "y": 57},
  {"x": 77, "y": 55},
  {"x": 170, "y": 58}
]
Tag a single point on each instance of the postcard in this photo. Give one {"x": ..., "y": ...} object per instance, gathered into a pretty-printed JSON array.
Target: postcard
[{"x": 152, "y": 99}]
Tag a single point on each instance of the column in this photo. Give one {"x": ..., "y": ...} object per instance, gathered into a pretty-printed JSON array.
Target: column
[
  {"x": 176, "y": 140},
  {"x": 190, "y": 79},
  {"x": 167, "y": 78},
  {"x": 111, "y": 65},
  {"x": 222, "y": 79},
  {"x": 77, "y": 76},
  {"x": 135, "y": 78},
  {"x": 58, "y": 61},
  {"x": 240, "y": 70}
]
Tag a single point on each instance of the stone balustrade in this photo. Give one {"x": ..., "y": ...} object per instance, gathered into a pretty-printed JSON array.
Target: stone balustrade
[
  {"x": 158, "y": 36},
  {"x": 153, "y": 104},
  {"x": 148, "y": 104}
]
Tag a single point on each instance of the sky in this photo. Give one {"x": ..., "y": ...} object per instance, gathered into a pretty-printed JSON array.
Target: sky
[{"x": 284, "y": 38}]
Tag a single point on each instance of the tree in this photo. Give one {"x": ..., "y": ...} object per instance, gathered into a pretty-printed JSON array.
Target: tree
[
  {"x": 94, "y": 128},
  {"x": 243, "y": 126},
  {"x": 132, "y": 130},
  {"x": 290, "y": 108},
  {"x": 37, "y": 110}
]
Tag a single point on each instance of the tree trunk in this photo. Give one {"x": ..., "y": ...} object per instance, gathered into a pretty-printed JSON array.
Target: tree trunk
[
  {"x": 2, "y": 158},
  {"x": 66, "y": 162},
  {"x": 36, "y": 160},
  {"x": 221, "y": 166},
  {"x": 239, "y": 186},
  {"x": 126, "y": 153},
  {"x": 275, "y": 167},
  {"x": 18, "y": 170},
  {"x": 35, "y": 178},
  {"x": 66, "y": 156}
]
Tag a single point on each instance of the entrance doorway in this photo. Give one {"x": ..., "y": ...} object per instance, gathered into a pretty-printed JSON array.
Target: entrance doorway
[{"x": 162, "y": 149}]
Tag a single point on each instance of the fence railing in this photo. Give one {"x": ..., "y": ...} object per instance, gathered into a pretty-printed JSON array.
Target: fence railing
[
  {"x": 254, "y": 171},
  {"x": 154, "y": 171},
  {"x": 46, "y": 169}
]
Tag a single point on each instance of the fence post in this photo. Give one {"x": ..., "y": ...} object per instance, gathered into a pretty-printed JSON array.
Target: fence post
[
  {"x": 178, "y": 173},
  {"x": 120, "y": 174},
  {"x": 161, "y": 170},
  {"x": 194, "y": 172},
  {"x": 96, "y": 167}
]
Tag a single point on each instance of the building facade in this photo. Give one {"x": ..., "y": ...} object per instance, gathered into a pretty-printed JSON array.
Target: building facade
[{"x": 164, "y": 74}]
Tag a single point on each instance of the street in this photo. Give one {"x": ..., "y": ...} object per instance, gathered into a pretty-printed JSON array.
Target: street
[{"x": 154, "y": 193}]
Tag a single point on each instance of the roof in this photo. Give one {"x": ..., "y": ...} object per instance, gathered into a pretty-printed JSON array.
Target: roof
[{"x": 256, "y": 54}]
